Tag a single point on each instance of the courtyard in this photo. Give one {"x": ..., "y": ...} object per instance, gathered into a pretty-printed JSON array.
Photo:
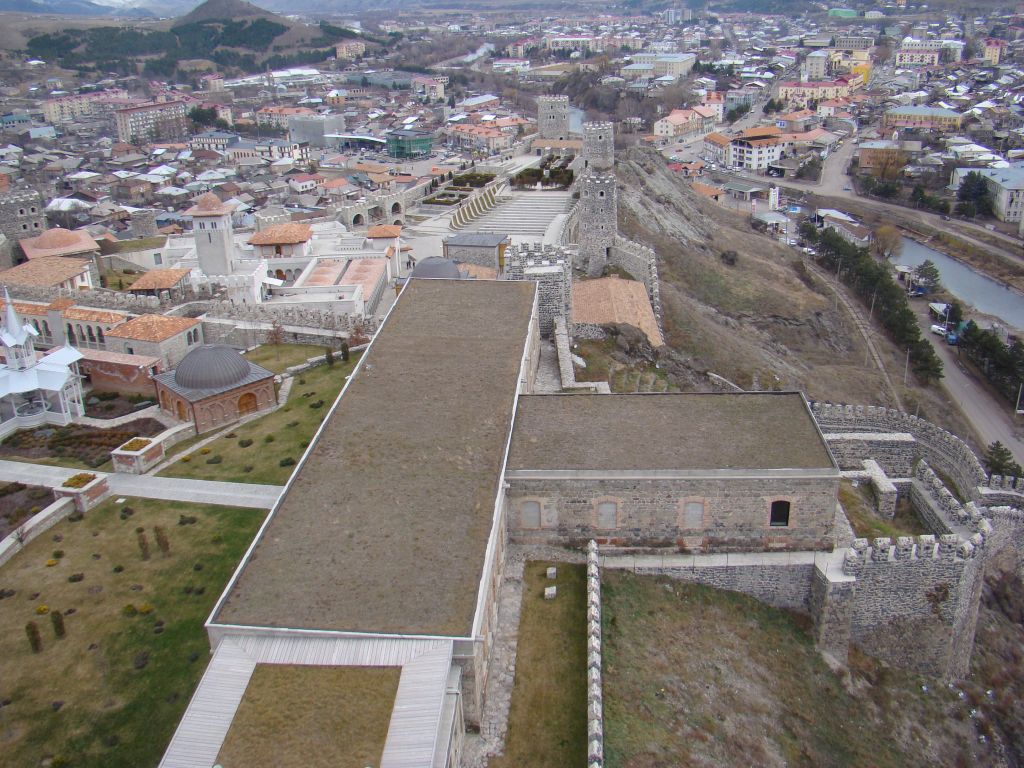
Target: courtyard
[{"x": 132, "y": 583}]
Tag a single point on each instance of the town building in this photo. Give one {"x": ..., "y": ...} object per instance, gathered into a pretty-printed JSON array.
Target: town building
[
  {"x": 165, "y": 121},
  {"x": 408, "y": 143},
  {"x": 923, "y": 118},
  {"x": 214, "y": 385}
]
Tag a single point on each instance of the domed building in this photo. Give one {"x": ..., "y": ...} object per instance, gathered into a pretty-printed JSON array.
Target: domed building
[{"x": 214, "y": 385}]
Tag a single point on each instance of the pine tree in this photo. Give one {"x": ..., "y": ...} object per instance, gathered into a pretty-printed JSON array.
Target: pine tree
[{"x": 999, "y": 461}]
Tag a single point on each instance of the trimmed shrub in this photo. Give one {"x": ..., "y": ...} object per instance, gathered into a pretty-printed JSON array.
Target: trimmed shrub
[
  {"x": 143, "y": 545},
  {"x": 244, "y": 442},
  {"x": 286, "y": 462},
  {"x": 34, "y": 638},
  {"x": 74, "y": 578},
  {"x": 161, "y": 540},
  {"x": 129, "y": 610},
  {"x": 215, "y": 459},
  {"x": 268, "y": 439},
  {"x": 58, "y": 624}
]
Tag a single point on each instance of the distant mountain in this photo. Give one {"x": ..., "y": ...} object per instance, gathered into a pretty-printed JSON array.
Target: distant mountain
[
  {"x": 232, "y": 10},
  {"x": 72, "y": 8}
]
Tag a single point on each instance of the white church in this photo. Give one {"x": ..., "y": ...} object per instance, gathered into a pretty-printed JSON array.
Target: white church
[{"x": 35, "y": 390}]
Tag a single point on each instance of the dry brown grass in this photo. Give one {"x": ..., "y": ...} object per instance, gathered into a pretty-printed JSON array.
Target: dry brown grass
[
  {"x": 702, "y": 677},
  {"x": 859, "y": 506},
  {"x": 298, "y": 716}
]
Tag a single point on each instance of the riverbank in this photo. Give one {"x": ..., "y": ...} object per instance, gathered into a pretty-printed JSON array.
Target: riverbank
[
  {"x": 987, "y": 297},
  {"x": 988, "y": 259}
]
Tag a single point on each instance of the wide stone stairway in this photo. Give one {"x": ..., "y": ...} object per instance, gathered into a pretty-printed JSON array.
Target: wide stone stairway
[{"x": 523, "y": 214}]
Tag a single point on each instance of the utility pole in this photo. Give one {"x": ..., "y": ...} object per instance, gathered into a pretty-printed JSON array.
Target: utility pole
[{"x": 906, "y": 367}]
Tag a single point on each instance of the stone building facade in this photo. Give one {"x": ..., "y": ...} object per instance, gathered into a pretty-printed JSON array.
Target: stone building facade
[
  {"x": 22, "y": 214},
  {"x": 553, "y": 117}
]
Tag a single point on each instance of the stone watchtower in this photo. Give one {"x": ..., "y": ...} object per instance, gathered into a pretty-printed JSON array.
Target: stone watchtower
[
  {"x": 598, "y": 206},
  {"x": 598, "y": 146},
  {"x": 598, "y": 220},
  {"x": 553, "y": 117}
]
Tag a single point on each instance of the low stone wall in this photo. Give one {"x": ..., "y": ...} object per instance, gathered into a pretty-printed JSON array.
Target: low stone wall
[
  {"x": 595, "y": 689},
  {"x": 943, "y": 450},
  {"x": 566, "y": 371},
  {"x": 885, "y": 491},
  {"x": 642, "y": 263},
  {"x": 252, "y": 334},
  {"x": 777, "y": 580},
  {"x": 127, "y": 302},
  {"x": 34, "y": 527},
  {"x": 895, "y": 452}
]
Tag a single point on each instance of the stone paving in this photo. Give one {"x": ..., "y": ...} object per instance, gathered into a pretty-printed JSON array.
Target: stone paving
[
  {"x": 479, "y": 748},
  {"x": 548, "y": 379}
]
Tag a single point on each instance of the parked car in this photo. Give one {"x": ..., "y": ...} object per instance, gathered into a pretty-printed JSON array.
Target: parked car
[{"x": 938, "y": 330}]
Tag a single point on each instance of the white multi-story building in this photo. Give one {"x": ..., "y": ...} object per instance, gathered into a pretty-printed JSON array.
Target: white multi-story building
[
  {"x": 67, "y": 108},
  {"x": 150, "y": 122}
]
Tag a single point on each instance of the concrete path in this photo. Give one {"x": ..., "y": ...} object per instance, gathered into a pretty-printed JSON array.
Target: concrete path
[
  {"x": 152, "y": 412},
  {"x": 144, "y": 486}
]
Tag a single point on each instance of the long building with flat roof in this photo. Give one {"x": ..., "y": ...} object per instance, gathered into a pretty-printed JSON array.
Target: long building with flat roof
[{"x": 387, "y": 546}]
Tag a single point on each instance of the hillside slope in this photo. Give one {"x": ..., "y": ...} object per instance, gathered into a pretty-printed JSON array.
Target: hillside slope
[{"x": 769, "y": 321}]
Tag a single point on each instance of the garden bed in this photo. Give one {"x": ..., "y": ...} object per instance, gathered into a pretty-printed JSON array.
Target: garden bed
[
  {"x": 18, "y": 502},
  {"x": 112, "y": 690},
  {"x": 111, "y": 405},
  {"x": 75, "y": 444}
]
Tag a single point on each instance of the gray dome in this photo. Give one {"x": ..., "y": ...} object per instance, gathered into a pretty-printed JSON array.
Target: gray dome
[
  {"x": 211, "y": 366},
  {"x": 435, "y": 266}
]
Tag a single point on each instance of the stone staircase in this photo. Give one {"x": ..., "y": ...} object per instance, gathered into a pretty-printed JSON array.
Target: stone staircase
[{"x": 523, "y": 213}]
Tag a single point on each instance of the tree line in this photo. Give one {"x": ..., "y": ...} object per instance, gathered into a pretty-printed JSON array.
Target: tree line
[{"x": 873, "y": 282}]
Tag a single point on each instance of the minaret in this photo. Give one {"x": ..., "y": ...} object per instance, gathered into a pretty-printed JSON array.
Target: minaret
[
  {"x": 18, "y": 339},
  {"x": 213, "y": 233}
]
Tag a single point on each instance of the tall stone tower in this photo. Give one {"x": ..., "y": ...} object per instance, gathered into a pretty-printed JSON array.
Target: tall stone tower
[
  {"x": 598, "y": 213},
  {"x": 598, "y": 219},
  {"x": 553, "y": 117},
  {"x": 213, "y": 233},
  {"x": 598, "y": 146}
]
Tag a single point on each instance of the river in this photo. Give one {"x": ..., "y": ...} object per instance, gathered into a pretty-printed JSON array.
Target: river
[{"x": 983, "y": 293}]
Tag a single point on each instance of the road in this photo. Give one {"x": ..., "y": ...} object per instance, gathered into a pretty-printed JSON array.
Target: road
[{"x": 991, "y": 418}]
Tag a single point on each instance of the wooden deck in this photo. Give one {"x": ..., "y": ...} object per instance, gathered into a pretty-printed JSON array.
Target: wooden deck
[{"x": 418, "y": 705}]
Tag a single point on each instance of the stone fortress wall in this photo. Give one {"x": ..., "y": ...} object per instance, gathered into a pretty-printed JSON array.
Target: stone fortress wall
[
  {"x": 551, "y": 268},
  {"x": 911, "y": 602}
]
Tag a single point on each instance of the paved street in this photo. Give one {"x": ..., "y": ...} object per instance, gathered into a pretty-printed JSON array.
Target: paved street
[{"x": 990, "y": 417}]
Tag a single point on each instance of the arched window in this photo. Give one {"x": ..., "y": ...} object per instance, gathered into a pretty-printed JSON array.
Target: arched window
[
  {"x": 70, "y": 334},
  {"x": 99, "y": 336},
  {"x": 780, "y": 514},
  {"x": 90, "y": 334}
]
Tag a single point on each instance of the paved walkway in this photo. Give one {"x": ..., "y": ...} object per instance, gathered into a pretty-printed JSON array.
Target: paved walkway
[
  {"x": 165, "y": 488},
  {"x": 152, "y": 412}
]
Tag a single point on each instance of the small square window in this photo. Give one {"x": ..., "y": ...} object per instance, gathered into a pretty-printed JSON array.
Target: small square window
[{"x": 779, "y": 514}]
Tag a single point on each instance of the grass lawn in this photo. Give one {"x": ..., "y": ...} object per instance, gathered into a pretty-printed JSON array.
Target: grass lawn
[
  {"x": 704, "y": 677},
  {"x": 860, "y": 511},
  {"x": 288, "y": 430},
  {"x": 277, "y": 357},
  {"x": 111, "y": 692},
  {"x": 119, "y": 280},
  {"x": 548, "y": 716},
  {"x": 299, "y": 716}
]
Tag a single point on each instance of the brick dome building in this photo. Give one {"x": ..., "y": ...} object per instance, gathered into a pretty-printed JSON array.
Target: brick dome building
[{"x": 214, "y": 385}]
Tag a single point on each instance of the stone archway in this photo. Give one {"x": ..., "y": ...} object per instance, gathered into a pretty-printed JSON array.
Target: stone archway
[
  {"x": 280, "y": 275},
  {"x": 181, "y": 412},
  {"x": 247, "y": 403},
  {"x": 396, "y": 208},
  {"x": 398, "y": 222},
  {"x": 358, "y": 220}
]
